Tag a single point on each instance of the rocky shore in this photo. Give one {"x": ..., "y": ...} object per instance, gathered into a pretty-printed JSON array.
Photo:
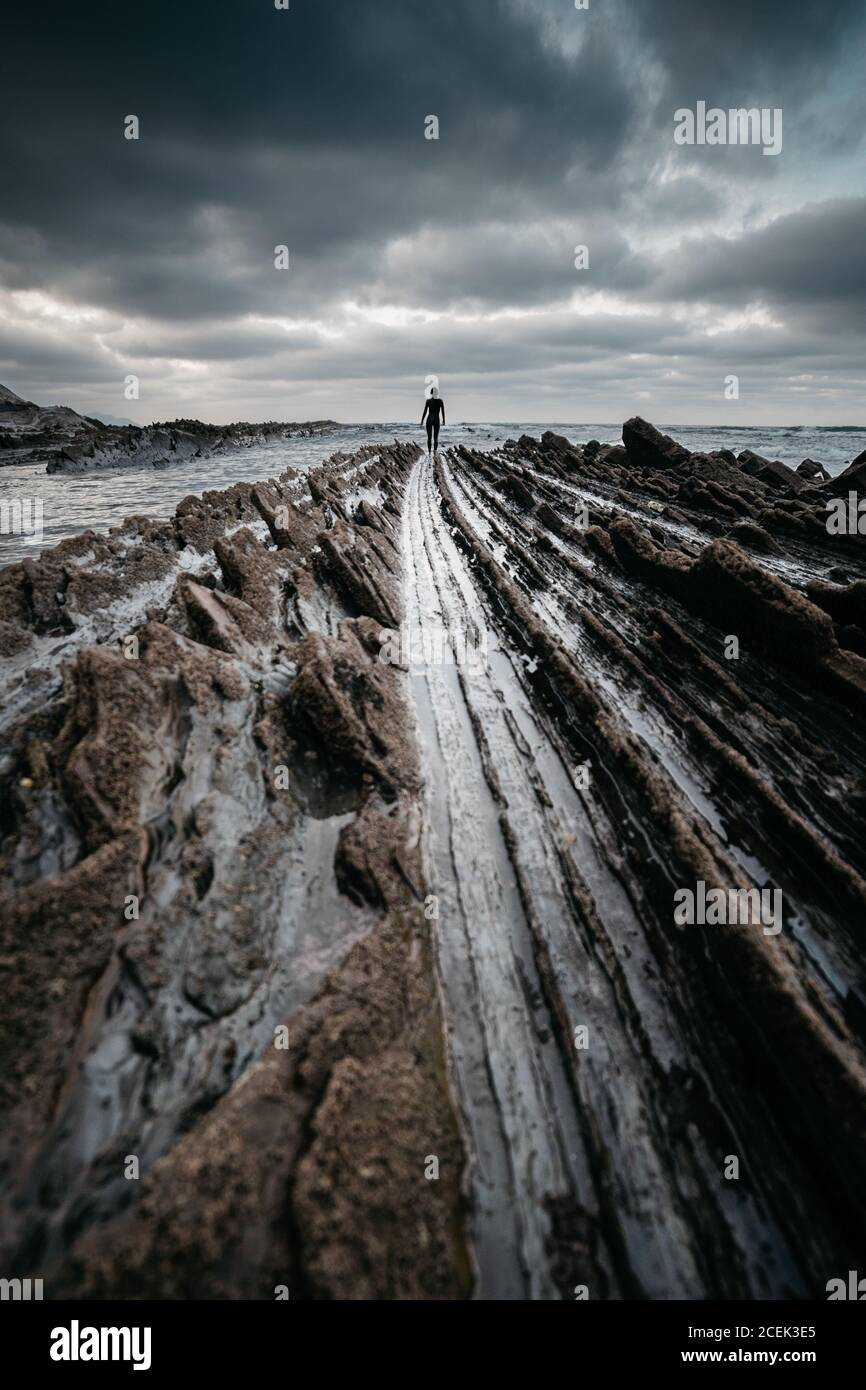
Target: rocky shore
[
  {"x": 326, "y": 975},
  {"x": 67, "y": 442}
]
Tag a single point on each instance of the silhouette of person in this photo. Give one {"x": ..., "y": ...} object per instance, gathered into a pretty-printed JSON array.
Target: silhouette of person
[{"x": 434, "y": 414}]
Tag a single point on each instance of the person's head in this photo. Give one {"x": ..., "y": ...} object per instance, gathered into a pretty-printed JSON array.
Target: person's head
[{"x": 435, "y": 391}]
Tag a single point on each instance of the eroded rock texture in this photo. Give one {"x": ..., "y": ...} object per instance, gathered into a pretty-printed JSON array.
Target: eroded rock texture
[
  {"x": 446, "y": 882},
  {"x": 214, "y": 834},
  {"x": 608, "y": 748}
]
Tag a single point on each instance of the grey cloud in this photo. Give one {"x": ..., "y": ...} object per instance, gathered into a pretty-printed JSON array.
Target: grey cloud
[
  {"x": 815, "y": 256},
  {"x": 306, "y": 128}
]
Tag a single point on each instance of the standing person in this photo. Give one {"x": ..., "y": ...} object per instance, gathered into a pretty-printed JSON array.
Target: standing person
[{"x": 434, "y": 413}]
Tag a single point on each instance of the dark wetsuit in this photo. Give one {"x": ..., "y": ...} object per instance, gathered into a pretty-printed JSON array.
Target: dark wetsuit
[{"x": 434, "y": 412}]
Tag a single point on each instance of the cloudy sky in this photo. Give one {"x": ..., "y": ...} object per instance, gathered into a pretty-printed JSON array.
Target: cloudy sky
[{"x": 305, "y": 127}]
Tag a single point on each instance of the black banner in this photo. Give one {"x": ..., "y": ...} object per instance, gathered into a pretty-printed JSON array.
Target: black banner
[{"x": 231, "y": 1338}]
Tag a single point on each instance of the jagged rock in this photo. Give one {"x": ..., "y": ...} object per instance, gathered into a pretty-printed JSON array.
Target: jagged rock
[
  {"x": 755, "y": 537},
  {"x": 853, "y": 479},
  {"x": 222, "y": 621},
  {"x": 517, "y": 489},
  {"x": 148, "y": 448},
  {"x": 555, "y": 443},
  {"x": 363, "y": 567},
  {"x": 638, "y": 555},
  {"x": 55, "y": 940},
  {"x": 847, "y": 605},
  {"x": 712, "y": 498},
  {"x": 776, "y": 518},
  {"x": 647, "y": 447},
  {"x": 345, "y": 692},
  {"x": 725, "y": 583},
  {"x": 852, "y": 638},
  {"x": 713, "y": 468},
  {"x": 814, "y": 472},
  {"x": 252, "y": 573},
  {"x": 770, "y": 471}
]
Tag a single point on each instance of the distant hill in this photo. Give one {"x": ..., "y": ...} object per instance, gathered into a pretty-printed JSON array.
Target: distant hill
[
  {"x": 116, "y": 420},
  {"x": 71, "y": 443},
  {"x": 24, "y": 424}
]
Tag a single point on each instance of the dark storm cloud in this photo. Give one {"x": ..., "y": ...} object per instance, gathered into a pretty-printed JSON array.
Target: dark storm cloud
[
  {"x": 305, "y": 127},
  {"x": 800, "y": 57},
  {"x": 741, "y": 45},
  {"x": 48, "y": 358},
  {"x": 680, "y": 202},
  {"x": 813, "y": 257},
  {"x": 260, "y": 127}
]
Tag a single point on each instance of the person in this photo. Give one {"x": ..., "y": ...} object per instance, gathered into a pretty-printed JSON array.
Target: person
[{"x": 434, "y": 414}]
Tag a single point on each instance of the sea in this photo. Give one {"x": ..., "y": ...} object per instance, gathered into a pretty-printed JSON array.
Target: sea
[{"x": 100, "y": 501}]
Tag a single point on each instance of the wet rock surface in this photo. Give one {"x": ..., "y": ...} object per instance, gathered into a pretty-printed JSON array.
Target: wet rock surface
[
  {"x": 372, "y": 965},
  {"x": 213, "y": 847},
  {"x": 609, "y": 751}
]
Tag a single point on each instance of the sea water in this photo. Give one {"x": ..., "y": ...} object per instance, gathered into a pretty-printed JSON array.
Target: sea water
[{"x": 74, "y": 503}]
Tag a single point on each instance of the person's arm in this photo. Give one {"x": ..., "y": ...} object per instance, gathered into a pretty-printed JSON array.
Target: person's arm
[
  {"x": 426, "y": 408},
  {"x": 443, "y": 412}
]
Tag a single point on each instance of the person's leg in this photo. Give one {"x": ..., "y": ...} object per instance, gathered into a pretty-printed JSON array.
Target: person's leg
[
  {"x": 429, "y": 435},
  {"x": 436, "y": 435}
]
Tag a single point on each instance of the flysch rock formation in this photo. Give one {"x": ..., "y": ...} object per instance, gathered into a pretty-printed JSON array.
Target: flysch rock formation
[
  {"x": 372, "y": 966},
  {"x": 67, "y": 442}
]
